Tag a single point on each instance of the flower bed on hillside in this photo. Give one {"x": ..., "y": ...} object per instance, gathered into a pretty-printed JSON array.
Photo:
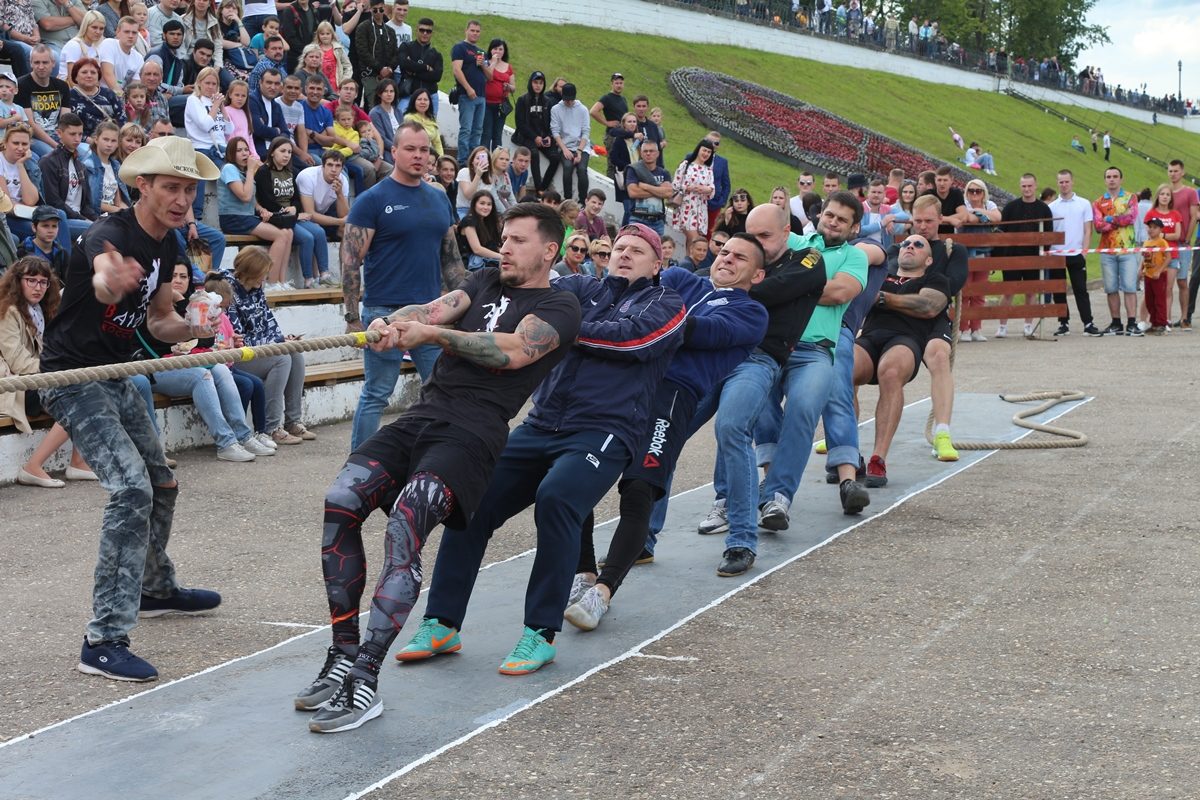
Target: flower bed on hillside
[{"x": 792, "y": 130}]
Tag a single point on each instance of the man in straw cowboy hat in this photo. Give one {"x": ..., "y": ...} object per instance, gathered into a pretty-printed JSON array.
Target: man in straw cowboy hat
[{"x": 118, "y": 279}]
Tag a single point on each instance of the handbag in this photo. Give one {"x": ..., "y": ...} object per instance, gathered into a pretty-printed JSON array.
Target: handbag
[
  {"x": 505, "y": 108},
  {"x": 280, "y": 220},
  {"x": 406, "y": 86},
  {"x": 454, "y": 95}
]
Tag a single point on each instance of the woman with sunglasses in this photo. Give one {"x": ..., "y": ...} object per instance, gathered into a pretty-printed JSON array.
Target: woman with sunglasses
[
  {"x": 575, "y": 251},
  {"x": 733, "y": 217},
  {"x": 984, "y": 211},
  {"x": 599, "y": 253}
]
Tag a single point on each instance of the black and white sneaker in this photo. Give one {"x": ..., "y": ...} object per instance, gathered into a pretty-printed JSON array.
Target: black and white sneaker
[
  {"x": 1114, "y": 329},
  {"x": 773, "y": 514},
  {"x": 1133, "y": 329},
  {"x": 1091, "y": 330},
  {"x": 329, "y": 680},
  {"x": 1063, "y": 330},
  {"x": 354, "y": 703}
]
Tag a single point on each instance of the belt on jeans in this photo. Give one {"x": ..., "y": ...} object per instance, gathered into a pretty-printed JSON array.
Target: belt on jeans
[{"x": 649, "y": 217}]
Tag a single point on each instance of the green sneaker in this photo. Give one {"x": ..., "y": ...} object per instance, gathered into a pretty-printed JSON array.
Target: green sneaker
[
  {"x": 431, "y": 639},
  {"x": 531, "y": 654},
  {"x": 943, "y": 448}
]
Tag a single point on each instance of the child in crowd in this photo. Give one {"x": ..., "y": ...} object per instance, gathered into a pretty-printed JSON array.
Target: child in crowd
[
  {"x": 137, "y": 103},
  {"x": 10, "y": 112},
  {"x": 250, "y": 388},
  {"x": 351, "y": 148},
  {"x": 42, "y": 242},
  {"x": 236, "y": 111},
  {"x": 568, "y": 210},
  {"x": 270, "y": 27},
  {"x": 371, "y": 146},
  {"x": 668, "y": 253},
  {"x": 1154, "y": 270},
  {"x": 656, "y": 116}
]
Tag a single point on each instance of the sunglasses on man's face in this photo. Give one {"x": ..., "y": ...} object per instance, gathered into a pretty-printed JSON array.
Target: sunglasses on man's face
[
  {"x": 915, "y": 244},
  {"x": 424, "y": 30},
  {"x": 576, "y": 248},
  {"x": 806, "y": 183}
]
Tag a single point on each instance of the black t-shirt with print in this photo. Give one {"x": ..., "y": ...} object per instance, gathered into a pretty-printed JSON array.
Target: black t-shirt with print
[
  {"x": 86, "y": 332},
  {"x": 901, "y": 324},
  {"x": 481, "y": 399},
  {"x": 43, "y": 102}
]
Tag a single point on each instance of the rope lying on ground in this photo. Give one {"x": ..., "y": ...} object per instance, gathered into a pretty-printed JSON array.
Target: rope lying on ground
[{"x": 68, "y": 377}]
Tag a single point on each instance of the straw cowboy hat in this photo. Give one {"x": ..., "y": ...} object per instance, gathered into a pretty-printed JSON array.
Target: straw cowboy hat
[{"x": 169, "y": 155}]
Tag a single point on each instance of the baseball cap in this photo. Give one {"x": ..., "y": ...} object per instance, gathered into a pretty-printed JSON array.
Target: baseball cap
[
  {"x": 168, "y": 155},
  {"x": 568, "y": 92},
  {"x": 537, "y": 75},
  {"x": 43, "y": 213},
  {"x": 616, "y": 76},
  {"x": 643, "y": 232},
  {"x": 856, "y": 180}
]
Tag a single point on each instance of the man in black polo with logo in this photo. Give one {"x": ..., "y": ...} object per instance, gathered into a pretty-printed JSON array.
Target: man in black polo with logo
[{"x": 608, "y": 111}]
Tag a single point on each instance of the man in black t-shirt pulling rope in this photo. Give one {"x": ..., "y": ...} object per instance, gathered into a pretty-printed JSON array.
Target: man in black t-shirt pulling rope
[
  {"x": 892, "y": 343},
  {"x": 506, "y": 329},
  {"x": 119, "y": 278}
]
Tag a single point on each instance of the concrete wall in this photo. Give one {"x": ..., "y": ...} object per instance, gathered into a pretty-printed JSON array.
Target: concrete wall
[{"x": 697, "y": 26}]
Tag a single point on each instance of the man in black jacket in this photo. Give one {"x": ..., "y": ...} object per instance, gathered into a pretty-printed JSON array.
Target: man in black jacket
[
  {"x": 297, "y": 25},
  {"x": 533, "y": 129},
  {"x": 266, "y": 115},
  {"x": 420, "y": 65},
  {"x": 376, "y": 50},
  {"x": 64, "y": 178}
]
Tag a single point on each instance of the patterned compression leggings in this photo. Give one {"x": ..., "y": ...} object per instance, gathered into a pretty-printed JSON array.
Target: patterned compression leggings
[{"x": 417, "y": 507}]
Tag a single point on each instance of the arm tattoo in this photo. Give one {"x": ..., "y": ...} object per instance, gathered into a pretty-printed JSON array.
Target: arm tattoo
[
  {"x": 478, "y": 348},
  {"x": 538, "y": 337},
  {"x": 453, "y": 271},
  {"x": 353, "y": 249},
  {"x": 926, "y": 303},
  {"x": 443, "y": 311}
]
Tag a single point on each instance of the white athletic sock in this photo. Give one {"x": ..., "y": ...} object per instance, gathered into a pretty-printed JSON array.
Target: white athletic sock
[{"x": 940, "y": 428}]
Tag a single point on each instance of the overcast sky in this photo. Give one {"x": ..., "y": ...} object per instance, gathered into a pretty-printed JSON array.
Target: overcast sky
[{"x": 1149, "y": 39}]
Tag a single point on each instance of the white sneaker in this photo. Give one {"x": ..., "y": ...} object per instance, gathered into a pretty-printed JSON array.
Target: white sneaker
[
  {"x": 587, "y": 613},
  {"x": 977, "y": 336},
  {"x": 265, "y": 439},
  {"x": 1028, "y": 330},
  {"x": 716, "y": 522},
  {"x": 1001, "y": 331},
  {"x": 234, "y": 452},
  {"x": 579, "y": 587},
  {"x": 1143, "y": 326},
  {"x": 253, "y": 446}
]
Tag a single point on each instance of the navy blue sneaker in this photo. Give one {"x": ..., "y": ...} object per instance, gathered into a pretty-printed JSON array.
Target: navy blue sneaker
[
  {"x": 181, "y": 601},
  {"x": 114, "y": 661}
]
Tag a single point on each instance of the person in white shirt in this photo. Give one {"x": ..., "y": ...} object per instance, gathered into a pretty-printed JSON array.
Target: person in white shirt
[
  {"x": 1073, "y": 218},
  {"x": 324, "y": 191},
  {"x": 397, "y": 22},
  {"x": 206, "y": 126},
  {"x": 163, "y": 11},
  {"x": 119, "y": 61},
  {"x": 804, "y": 185}
]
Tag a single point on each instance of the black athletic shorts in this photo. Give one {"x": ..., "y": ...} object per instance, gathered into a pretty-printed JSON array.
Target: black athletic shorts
[
  {"x": 943, "y": 328},
  {"x": 670, "y": 418},
  {"x": 879, "y": 341},
  {"x": 461, "y": 459}
]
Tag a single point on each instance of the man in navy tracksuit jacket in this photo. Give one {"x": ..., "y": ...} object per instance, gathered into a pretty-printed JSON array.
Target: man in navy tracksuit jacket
[
  {"x": 589, "y": 416},
  {"x": 724, "y": 324}
]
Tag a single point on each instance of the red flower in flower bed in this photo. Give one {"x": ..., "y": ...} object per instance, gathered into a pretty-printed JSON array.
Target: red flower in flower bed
[{"x": 792, "y": 130}]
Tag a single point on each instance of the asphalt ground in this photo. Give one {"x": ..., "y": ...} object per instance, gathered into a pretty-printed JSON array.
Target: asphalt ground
[{"x": 1024, "y": 629}]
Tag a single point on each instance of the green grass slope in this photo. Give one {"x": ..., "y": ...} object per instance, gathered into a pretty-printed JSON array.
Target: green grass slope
[{"x": 1021, "y": 137}]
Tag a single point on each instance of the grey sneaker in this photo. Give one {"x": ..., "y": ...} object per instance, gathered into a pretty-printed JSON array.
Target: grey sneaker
[
  {"x": 234, "y": 452},
  {"x": 587, "y": 613},
  {"x": 354, "y": 703},
  {"x": 265, "y": 438},
  {"x": 579, "y": 586},
  {"x": 773, "y": 514},
  {"x": 252, "y": 445},
  {"x": 329, "y": 680},
  {"x": 717, "y": 520}
]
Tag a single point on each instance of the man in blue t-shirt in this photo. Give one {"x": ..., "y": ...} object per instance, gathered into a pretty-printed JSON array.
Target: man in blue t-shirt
[
  {"x": 471, "y": 74},
  {"x": 398, "y": 232}
]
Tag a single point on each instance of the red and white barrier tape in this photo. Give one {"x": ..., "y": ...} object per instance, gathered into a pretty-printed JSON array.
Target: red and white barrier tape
[{"x": 1119, "y": 251}]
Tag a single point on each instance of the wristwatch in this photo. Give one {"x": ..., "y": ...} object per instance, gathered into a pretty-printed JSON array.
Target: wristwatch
[{"x": 351, "y": 316}]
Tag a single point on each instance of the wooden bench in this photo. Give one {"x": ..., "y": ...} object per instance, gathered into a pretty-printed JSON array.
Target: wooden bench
[{"x": 314, "y": 375}]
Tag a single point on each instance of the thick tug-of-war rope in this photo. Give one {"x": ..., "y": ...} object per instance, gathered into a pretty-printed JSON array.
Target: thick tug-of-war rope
[
  {"x": 69, "y": 377},
  {"x": 1050, "y": 399}
]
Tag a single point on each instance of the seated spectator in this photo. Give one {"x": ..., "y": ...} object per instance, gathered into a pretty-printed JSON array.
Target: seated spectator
[
  {"x": 158, "y": 99},
  {"x": 1076, "y": 145},
  {"x": 141, "y": 15},
  {"x": 236, "y": 53},
  {"x": 324, "y": 194},
  {"x": 348, "y": 142},
  {"x": 85, "y": 44},
  {"x": 499, "y": 185},
  {"x": 310, "y": 68},
  {"x": 576, "y": 250},
  {"x": 237, "y": 111},
  {"x": 206, "y": 126},
  {"x": 113, "y": 10},
  {"x": 10, "y": 112},
  {"x": 59, "y": 21},
  {"x": 568, "y": 212},
  {"x": 212, "y": 390},
  {"x": 91, "y": 102},
  {"x": 270, "y": 28},
  {"x": 137, "y": 103},
  {"x": 335, "y": 65},
  {"x": 201, "y": 58},
  {"x": 347, "y": 95},
  {"x": 445, "y": 171},
  {"x": 599, "y": 254},
  {"x": 975, "y": 158},
  {"x": 42, "y": 242},
  {"x": 420, "y": 110},
  {"x": 385, "y": 115},
  {"x": 240, "y": 214},
  {"x": 275, "y": 190},
  {"x": 475, "y": 174},
  {"x": 131, "y": 137},
  {"x": 668, "y": 250},
  {"x": 172, "y": 60},
  {"x": 696, "y": 255},
  {"x": 371, "y": 145},
  {"x": 519, "y": 170},
  {"x": 252, "y": 319},
  {"x": 589, "y": 220},
  {"x": 120, "y": 63},
  {"x": 29, "y": 297},
  {"x": 732, "y": 218},
  {"x": 42, "y": 96},
  {"x": 108, "y": 194},
  {"x": 65, "y": 182},
  {"x": 200, "y": 22},
  {"x": 21, "y": 176},
  {"x": 479, "y": 233},
  {"x": 266, "y": 113}
]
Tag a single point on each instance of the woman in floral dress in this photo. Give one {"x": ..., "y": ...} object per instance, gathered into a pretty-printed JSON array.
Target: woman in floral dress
[{"x": 694, "y": 185}]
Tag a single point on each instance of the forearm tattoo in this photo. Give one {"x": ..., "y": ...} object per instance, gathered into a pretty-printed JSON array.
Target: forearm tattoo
[
  {"x": 453, "y": 271},
  {"x": 479, "y": 348},
  {"x": 353, "y": 249}
]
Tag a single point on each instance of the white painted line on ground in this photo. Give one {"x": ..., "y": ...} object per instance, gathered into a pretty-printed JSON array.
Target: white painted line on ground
[
  {"x": 636, "y": 649},
  {"x": 292, "y": 625},
  {"x": 665, "y": 658}
]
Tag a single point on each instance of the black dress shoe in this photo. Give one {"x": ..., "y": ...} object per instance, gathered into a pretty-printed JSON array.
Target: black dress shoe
[
  {"x": 854, "y": 497},
  {"x": 736, "y": 560}
]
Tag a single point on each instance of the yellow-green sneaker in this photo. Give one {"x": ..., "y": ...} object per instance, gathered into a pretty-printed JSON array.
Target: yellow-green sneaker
[
  {"x": 943, "y": 448},
  {"x": 431, "y": 639},
  {"x": 531, "y": 654},
  {"x": 821, "y": 448}
]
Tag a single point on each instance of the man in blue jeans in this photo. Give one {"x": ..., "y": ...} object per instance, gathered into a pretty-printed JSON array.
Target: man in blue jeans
[
  {"x": 471, "y": 74},
  {"x": 805, "y": 370},
  {"x": 118, "y": 279},
  {"x": 398, "y": 232},
  {"x": 589, "y": 416}
]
